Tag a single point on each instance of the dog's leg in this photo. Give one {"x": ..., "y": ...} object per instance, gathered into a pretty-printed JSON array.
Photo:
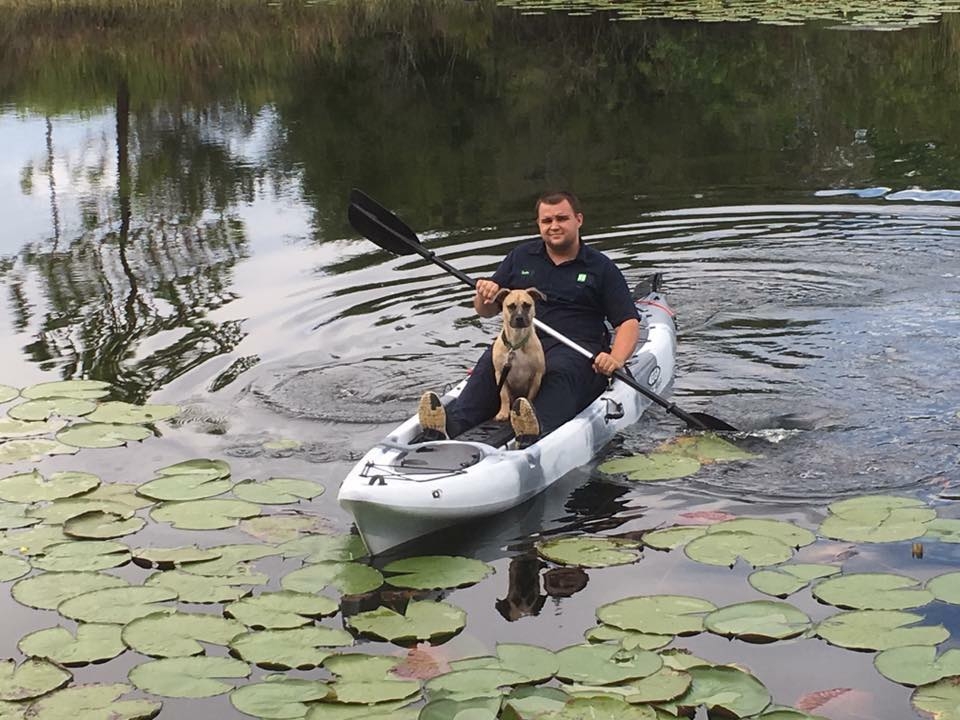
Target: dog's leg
[
  {"x": 504, "y": 404},
  {"x": 534, "y": 387}
]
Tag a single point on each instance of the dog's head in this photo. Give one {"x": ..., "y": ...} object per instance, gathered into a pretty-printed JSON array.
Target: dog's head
[{"x": 517, "y": 306}]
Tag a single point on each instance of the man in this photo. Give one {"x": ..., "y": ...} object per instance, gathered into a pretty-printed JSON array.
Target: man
[{"x": 584, "y": 288}]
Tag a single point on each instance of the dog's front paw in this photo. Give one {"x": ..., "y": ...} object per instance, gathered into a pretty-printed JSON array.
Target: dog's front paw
[{"x": 502, "y": 415}]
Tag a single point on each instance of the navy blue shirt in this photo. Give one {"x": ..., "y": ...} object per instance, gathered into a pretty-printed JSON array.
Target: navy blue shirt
[{"x": 581, "y": 293}]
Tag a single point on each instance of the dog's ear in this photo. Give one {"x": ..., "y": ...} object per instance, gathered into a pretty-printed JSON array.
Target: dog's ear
[
  {"x": 537, "y": 294},
  {"x": 501, "y": 295}
]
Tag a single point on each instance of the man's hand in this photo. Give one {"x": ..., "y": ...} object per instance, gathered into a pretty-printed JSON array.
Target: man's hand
[
  {"x": 485, "y": 299},
  {"x": 606, "y": 364}
]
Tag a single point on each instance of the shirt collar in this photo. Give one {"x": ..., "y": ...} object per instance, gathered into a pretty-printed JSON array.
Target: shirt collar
[{"x": 540, "y": 248}]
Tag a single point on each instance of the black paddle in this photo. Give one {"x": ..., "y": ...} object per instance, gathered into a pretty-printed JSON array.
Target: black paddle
[{"x": 382, "y": 227}]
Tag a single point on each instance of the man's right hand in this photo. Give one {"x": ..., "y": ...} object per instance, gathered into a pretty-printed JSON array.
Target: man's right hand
[{"x": 485, "y": 300}]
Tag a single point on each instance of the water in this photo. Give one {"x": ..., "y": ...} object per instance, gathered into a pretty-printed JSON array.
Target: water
[{"x": 181, "y": 233}]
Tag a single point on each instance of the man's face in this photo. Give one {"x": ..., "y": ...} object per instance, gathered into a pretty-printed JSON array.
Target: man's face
[{"x": 559, "y": 226}]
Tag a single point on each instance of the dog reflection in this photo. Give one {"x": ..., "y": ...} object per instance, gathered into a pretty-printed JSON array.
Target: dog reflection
[{"x": 525, "y": 597}]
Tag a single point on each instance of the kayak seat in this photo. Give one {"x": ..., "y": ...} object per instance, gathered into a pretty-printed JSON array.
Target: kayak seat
[
  {"x": 430, "y": 458},
  {"x": 493, "y": 433}
]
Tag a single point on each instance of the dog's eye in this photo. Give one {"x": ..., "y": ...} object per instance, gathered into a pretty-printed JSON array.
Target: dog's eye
[
  {"x": 511, "y": 307},
  {"x": 527, "y": 306}
]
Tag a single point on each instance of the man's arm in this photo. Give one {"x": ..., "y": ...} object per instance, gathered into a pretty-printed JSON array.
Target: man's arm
[
  {"x": 485, "y": 299},
  {"x": 624, "y": 343}
]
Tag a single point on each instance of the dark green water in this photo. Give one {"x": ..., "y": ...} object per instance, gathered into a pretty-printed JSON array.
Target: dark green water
[{"x": 173, "y": 188}]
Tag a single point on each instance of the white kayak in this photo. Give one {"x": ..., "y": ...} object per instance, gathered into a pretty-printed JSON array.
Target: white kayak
[{"x": 403, "y": 489}]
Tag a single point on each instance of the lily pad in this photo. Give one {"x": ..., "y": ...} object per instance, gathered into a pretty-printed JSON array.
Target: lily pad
[
  {"x": 786, "y": 532},
  {"x": 946, "y": 530},
  {"x": 279, "y": 610},
  {"x": 279, "y": 699},
  {"x": 179, "y": 634},
  {"x": 946, "y": 587},
  {"x": 12, "y": 568},
  {"x": 43, "y": 409},
  {"x": 600, "y": 708},
  {"x": 277, "y": 491},
  {"x": 32, "y": 541},
  {"x": 113, "y": 495},
  {"x": 473, "y": 683},
  {"x": 167, "y": 558},
  {"x": 190, "y": 677},
  {"x": 82, "y": 389},
  {"x": 47, "y": 590},
  {"x": 361, "y": 666},
  {"x": 348, "y": 578},
  {"x": 102, "y": 435},
  {"x": 758, "y": 621},
  {"x": 877, "y": 518},
  {"x": 423, "y": 620},
  {"x": 938, "y": 700},
  {"x": 121, "y": 413},
  {"x": 605, "y": 664},
  {"x": 82, "y": 556},
  {"x": 315, "y": 548},
  {"x": 10, "y": 428},
  {"x": 672, "y": 537},
  {"x": 32, "y": 487},
  {"x": 377, "y": 711},
  {"x": 207, "y": 467},
  {"x": 207, "y": 589},
  {"x": 627, "y": 639},
  {"x": 652, "y": 467},
  {"x": 100, "y": 525},
  {"x": 373, "y": 691},
  {"x": 60, "y": 511},
  {"x": 233, "y": 559},
  {"x": 662, "y": 686},
  {"x": 204, "y": 514},
  {"x": 93, "y": 702},
  {"x": 879, "y": 630},
  {"x": 14, "y": 516},
  {"x": 482, "y": 708},
  {"x": 706, "y": 448},
  {"x": 281, "y": 528},
  {"x": 118, "y": 606},
  {"x": 657, "y": 614},
  {"x": 31, "y": 679},
  {"x": 917, "y": 664},
  {"x": 8, "y": 393},
  {"x": 93, "y": 643},
  {"x": 586, "y": 551},
  {"x": 873, "y": 591},
  {"x": 725, "y": 548},
  {"x": 788, "y": 579},
  {"x": 434, "y": 572},
  {"x": 302, "y": 648},
  {"x": 14, "y": 451},
  {"x": 195, "y": 486},
  {"x": 536, "y": 664},
  {"x": 727, "y": 688}
]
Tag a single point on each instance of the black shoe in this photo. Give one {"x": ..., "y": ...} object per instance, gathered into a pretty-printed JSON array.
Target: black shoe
[
  {"x": 433, "y": 417},
  {"x": 526, "y": 427}
]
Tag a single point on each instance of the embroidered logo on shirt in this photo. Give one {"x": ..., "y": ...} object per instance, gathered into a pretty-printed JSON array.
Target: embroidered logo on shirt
[
  {"x": 524, "y": 272},
  {"x": 582, "y": 277}
]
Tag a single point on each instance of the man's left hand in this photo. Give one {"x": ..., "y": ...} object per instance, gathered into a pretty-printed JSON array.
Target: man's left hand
[{"x": 606, "y": 364}]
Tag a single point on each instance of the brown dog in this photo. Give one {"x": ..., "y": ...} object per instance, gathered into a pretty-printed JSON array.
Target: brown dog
[{"x": 518, "y": 347}]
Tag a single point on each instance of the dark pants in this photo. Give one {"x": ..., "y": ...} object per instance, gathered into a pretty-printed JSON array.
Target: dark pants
[{"x": 568, "y": 386}]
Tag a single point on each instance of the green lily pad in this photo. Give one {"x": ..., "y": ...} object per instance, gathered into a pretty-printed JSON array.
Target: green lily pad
[
  {"x": 600, "y": 708},
  {"x": 12, "y": 568},
  {"x": 360, "y": 666},
  {"x": 102, "y": 435},
  {"x": 627, "y": 639},
  {"x": 113, "y": 495},
  {"x": 302, "y": 648},
  {"x": 788, "y": 579},
  {"x": 118, "y": 606},
  {"x": 10, "y": 428},
  {"x": 535, "y": 663},
  {"x": 706, "y": 448},
  {"x": 208, "y": 467},
  {"x": 43, "y": 409},
  {"x": 93, "y": 702},
  {"x": 348, "y": 578},
  {"x": 946, "y": 530},
  {"x": 315, "y": 548},
  {"x": 725, "y": 548},
  {"x": 31, "y": 679},
  {"x": 100, "y": 525},
  {"x": 233, "y": 559},
  {"x": 93, "y": 643},
  {"x": 758, "y": 621},
  {"x": 917, "y": 664},
  {"x": 662, "y": 686},
  {"x": 14, "y": 516},
  {"x": 277, "y": 491},
  {"x": 8, "y": 393},
  {"x": 672, "y": 537},
  {"x": 213, "y": 514},
  {"x": 595, "y": 552},
  {"x": 377, "y": 711},
  {"x": 189, "y": 677},
  {"x": 657, "y": 614},
  {"x": 81, "y": 389},
  {"x": 82, "y": 556},
  {"x": 877, "y": 518},
  {"x": 33, "y": 541},
  {"x": 946, "y": 587},
  {"x": 279, "y": 610},
  {"x": 786, "y": 532},
  {"x": 276, "y": 529},
  {"x": 47, "y": 590},
  {"x": 194, "y": 486},
  {"x": 121, "y": 413},
  {"x": 60, "y": 511},
  {"x": 652, "y": 467},
  {"x": 423, "y": 620},
  {"x": 938, "y": 700},
  {"x": 207, "y": 589},
  {"x": 32, "y": 487},
  {"x": 605, "y": 664},
  {"x": 373, "y": 691},
  {"x": 179, "y": 634},
  {"x": 727, "y": 688},
  {"x": 167, "y": 558},
  {"x": 14, "y": 451},
  {"x": 873, "y": 591},
  {"x": 879, "y": 630},
  {"x": 681, "y": 659},
  {"x": 482, "y": 708},
  {"x": 279, "y": 699},
  {"x": 473, "y": 683},
  {"x": 434, "y": 572}
]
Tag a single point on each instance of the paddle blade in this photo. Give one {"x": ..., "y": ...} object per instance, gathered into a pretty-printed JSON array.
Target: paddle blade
[
  {"x": 379, "y": 225},
  {"x": 712, "y": 423}
]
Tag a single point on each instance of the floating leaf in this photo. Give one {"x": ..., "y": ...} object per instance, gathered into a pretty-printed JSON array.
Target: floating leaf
[
  {"x": 281, "y": 528},
  {"x": 378, "y": 711},
  {"x": 787, "y": 579},
  {"x": 204, "y": 514},
  {"x": 706, "y": 448},
  {"x": 8, "y": 393},
  {"x": 14, "y": 516},
  {"x": 12, "y": 568},
  {"x": 14, "y": 451},
  {"x": 31, "y": 679},
  {"x": 302, "y": 648},
  {"x": 190, "y": 677},
  {"x": 652, "y": 467},
  {"x": 278, "y": 610},
  {"x": 166, "y": 558},
  {"x": 672, "y": 537},
  {"x": 47, "y": 590},
  {"x": 37, "y": 410},
  {"x": 373, "y": 691},
  {"x": 118, "y": 606},
  {"x": 680, "y": 659},
  {"x": 10, "y": 428},
  {"x": 314, "y": 548},
  {"x": 600, "y": 708},
  {"x": 32, "y": 487},
  {"x": 470, "y": 684},
  {"x": 786, "y": 532},
  {"x": 879, "y": 630},
  {"x": 664, "y": 685},
  {"x": 939, "y": 700},
  {"x": 277, "y": 491},
  {"x": 627, "y": 639},
  {"x": 82, "y": 389},
  {"x": 657, "y": 614},
  {"x": 917, "y": 664},
  {"x": 33, "y": 541},
  {"x": 482, "y": 708},
  {"x": 116, "y": 494},
  {"x": 360, "y": 666},
  {"x": 206, "y": 589},
  {"x": 431, "y": 572},
  {"x": 586, "y": 551},
  {"x": 213, "y": 469},
  {"x": 605, "y": 664},
  {"x": 93, "y": 702},
  {"x": 946, "y": 587},
  {"x": 877, "y": 518},
  {"x": 121, "y": 413},
  {"x": 422, "y": 620},
  {"x": 179, "y": 634},
  {"x": 758, "y": 621},
  {"x": 101, "y": 525},
  {"x": 102, "y": 435},
  {"x": 232, "y": 561},
  {"x": 873, "y": 591},
  {"x": 536, "y": 664},
  {"x": 729, "y": 688},
  {"x": 725, "y": 548},
  {"x": 59, "y": 511},
  {"x": 195, "y": 486},
  {"x": 82, "y": 556},
  {"x": 945, "y": 530},
  {"x": 279, "y": 699},
  {"x": 348, "y": 578},
  {"x": 94, "y": 642}
]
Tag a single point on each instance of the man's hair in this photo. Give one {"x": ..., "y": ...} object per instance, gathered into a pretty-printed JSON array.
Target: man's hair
[{"x": 553, "y": 197}]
